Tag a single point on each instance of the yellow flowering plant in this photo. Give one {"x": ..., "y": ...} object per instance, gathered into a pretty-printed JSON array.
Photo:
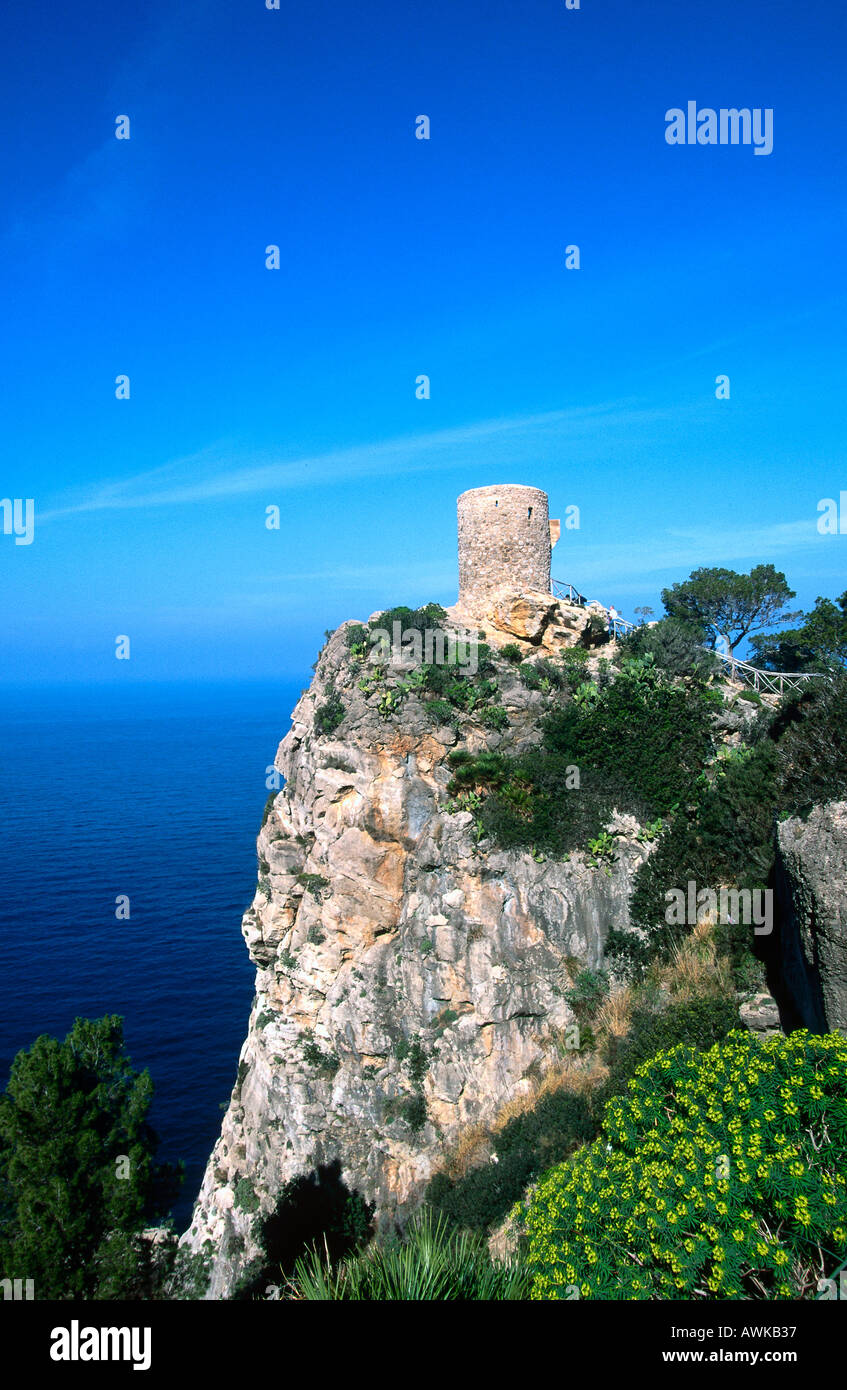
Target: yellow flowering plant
[{"x": 719, "y": 1174}]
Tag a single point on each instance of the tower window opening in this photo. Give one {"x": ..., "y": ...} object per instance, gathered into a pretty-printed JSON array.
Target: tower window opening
[{"x": 528, "y": 513}]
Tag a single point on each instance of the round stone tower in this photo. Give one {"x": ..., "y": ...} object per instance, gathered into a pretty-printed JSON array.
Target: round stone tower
[{"x": 504, "y": 542}]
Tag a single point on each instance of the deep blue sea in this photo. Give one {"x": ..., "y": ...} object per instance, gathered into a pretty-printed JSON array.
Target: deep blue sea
[{"x": 155, "y": 792}]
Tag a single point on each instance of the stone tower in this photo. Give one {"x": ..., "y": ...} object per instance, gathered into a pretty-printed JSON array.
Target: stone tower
[{"x": 505, "y": 540}]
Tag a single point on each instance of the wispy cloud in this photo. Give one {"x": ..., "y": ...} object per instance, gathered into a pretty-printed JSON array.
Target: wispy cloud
[
  {"x": 669, "y": 549},
  {"x": 521, "y": 441}
]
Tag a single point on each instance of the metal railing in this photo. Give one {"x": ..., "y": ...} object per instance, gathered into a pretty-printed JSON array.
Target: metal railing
[
  {"x": 740, "y": 672},
  {"x": 569, "y": 594},
  {"x": 771, "y": 682}
]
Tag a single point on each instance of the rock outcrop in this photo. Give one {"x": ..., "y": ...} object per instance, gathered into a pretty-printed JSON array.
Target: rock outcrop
[
  {"x": 410, "y": 979},
  {"x": 811, "y": 883}
]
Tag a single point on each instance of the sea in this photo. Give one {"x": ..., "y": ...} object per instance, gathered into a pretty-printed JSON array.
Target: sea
[{"x": 153, "y": 793}]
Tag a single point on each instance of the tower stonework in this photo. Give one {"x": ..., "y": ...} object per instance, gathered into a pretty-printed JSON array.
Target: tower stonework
[{"x": 505, "y": 536}]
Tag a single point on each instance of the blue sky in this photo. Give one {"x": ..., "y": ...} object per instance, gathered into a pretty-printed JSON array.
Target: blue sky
[{"x": 296, "y": 387}]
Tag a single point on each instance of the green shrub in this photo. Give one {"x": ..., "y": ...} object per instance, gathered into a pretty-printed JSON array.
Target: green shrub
[
  {"x": 650, "y": 734},
  {"x": 813, "y": 749},
  {"x": 698, "y": 1024},
  {"x": 357, "y": 641},
  {"x": 412, "y": 1109},
  {"x": 78, "y": 1176},
  {"x": 244, "y": 1196},
  {"x": 431, "y": 616},
  {"x": 441, "y": 711},
  {"x": 329, "y": 716},
  {"x": 495, "y": 717},
  {"x": 429, "y": 1263},
  {"x": 530, "y": 677},
  {"x": 589, "y": 990},
  {"x": 728, "y": 838},
  {"x": 719, "y": 1175},
  {"x": 512, "y": 652},
  {"x": 325, "y": 1062},
  {"x": 313, "y": 883},
  {"x": 676, "y": 648},
  {"x": 525, "y": 1147}
]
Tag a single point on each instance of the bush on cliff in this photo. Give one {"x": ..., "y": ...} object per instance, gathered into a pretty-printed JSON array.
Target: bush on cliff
[
  {"x": 635, "y": 744},
  {"x": 430, "y": 1263},
  {"x": 794, "y": 759},
  {"x": 523, "y": 1148},
  {"x": 676, "y": 647},
  {"x": 719, "y": 1175},
  {"x": 813, "y": 749},
  {"x": 563, "y": 1120},
  {"x": 77, "y": 1178},
  {"x": 726, "y": 838}
]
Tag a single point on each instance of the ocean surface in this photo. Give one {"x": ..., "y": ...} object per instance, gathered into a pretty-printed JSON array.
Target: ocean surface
[{"x": 155, "y": 792}]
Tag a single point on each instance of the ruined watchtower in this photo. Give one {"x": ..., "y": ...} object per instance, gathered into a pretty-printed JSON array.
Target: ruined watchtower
[{"x": 505, "y": 540}]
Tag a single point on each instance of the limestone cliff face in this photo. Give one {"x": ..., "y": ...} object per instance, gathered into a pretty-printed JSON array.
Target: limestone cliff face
[
  {"x": 409, "y": 979},
  {"x": 811, "y": 882}
]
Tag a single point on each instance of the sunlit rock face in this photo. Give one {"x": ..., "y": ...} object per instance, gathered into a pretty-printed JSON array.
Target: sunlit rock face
[{"x": 410, "y": 979}]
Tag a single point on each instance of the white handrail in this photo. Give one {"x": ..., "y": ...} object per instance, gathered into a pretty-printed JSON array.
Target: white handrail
[{"x": 741, "y": 672}]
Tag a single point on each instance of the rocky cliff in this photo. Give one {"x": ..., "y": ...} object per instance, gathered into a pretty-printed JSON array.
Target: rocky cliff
[
  {"x": 811, "y": 883},
  {"x": 409, "y": 979}
]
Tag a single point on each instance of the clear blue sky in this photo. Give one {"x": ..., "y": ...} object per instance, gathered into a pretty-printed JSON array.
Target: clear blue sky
[{"x": 252, "y": 387}]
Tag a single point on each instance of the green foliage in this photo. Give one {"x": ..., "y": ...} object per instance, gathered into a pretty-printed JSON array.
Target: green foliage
[
  {"x": 602, "y": 851},
  {"x": 269, "y": 805},
  {"x": 430, "y": 1263},
  {"x": 453, "y": 685},
  {"x": 329, "y": 716},
  {"x": 244, "y": 1197},
  {"x": 812, "y": 753},
  {"x": 721, "y": 602},
  {"x": 675, "y": 647},
  {"x": 718, "y": 1175},
  {"x": 637, "y": 744},
  {"x": 441, "y": 711},
  {"x": 78, "y": 1180},
  {"x": 796, "y": 760},
  {"x": 589, "y": 990},
  {"x": 495, "y": 717},
  {"x": 525, "y": 1147},
  {"x": 357, "y": 641},
  {"x": 652, "y": 735},
  {"x": 314, "y": 884},
  {"x": 325, "y": 1062},
  {"x": 698, "y": 1023},
  {"x": 563, "y": 1120},
  {"x": 726, "y": 838},
  {"x": 431, "y": 616},
  {"x": 512, "y": 652},
  {"x": 820, "y": 643},
  {"x": 544, "y": 675},
  {"x": 412, "y": 1109},
  {"x": 417, "y": 1063}
]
